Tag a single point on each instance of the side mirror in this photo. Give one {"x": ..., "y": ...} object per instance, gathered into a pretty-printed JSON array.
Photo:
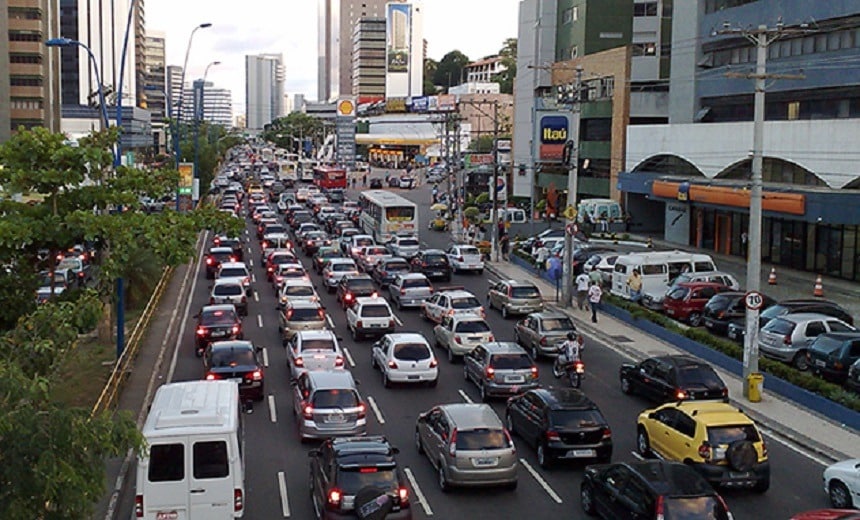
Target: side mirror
[
  {"x": 340, "y": 338},
  {"x": 395, "y": 450},
  {"x": 196, "y": 316}
]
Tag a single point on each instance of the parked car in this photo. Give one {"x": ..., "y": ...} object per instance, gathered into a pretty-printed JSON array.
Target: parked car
[
  {"x": 674, "y": 377},
  {"x": 500, "y": 369},
  {"x": 460, "y": 334},
  {"x": 236, "y": 361},
  {"x": 686, "y": 302},
  {"x": 410, "y": 290},
  {"x": 561, "y": 424},
  {"x": 726, "y": 307},
  {"x": 842, "y": 483},
  {"x": 314, "y": 350},
  {"x": 514, "y": 297},
  {"x": 327, "y": 404},
  {"x": 541, "y": 332},
  {"x": 831, "y": 355},
  {"x": 432, "y": 263},
  {"x": 404, "y": 358},
  {"x": 788, "y": 337},
  {"x": 817, "y": 306}
]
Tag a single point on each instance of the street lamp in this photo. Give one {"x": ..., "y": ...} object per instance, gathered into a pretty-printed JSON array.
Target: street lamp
[
  {"x": 198, "y": 115},
  {"x": 68, "y": 42}
]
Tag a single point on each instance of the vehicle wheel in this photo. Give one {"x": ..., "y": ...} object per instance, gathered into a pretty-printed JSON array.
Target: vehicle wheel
[
  {"x": 544, "y": 459},
  {"x": 385, "y": 381},
  {"x": 419, "y": 446},
  {"x": 586, "y": 499},
  {"x": 483, "y": 392},
  {"x": 465, "y": 373},
  {"x": 399, "y": 304},
  {"x": 480, "y": 272},
  {"x": 509, "y": 424},
  {"x": 695, "y": 319},
  {"x": 451, "y": 357},
  {"x": 372, "y": 362},
  {"x": 329, "y": 290},
  {"x": 490, "y": 303},
  {"x": 800, "y": 362},
  {"x": 643, "y": 445},
  {"x": 504, "y": 312},
  {"x": 840, "y": 497},
  {"x": 443, "y": 480},
  {"x": 355, "y": 335},
  {"x": 517, "y": 338},
  {"x": 625, "y": 386}
]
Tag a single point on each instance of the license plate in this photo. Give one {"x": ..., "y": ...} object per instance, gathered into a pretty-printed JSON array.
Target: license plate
[
  {"x": 484, "y": 462},
  {"x": 166, "y": 515},
  {"x": 581, "y": 453},
  {"x": 235, "y": 380},
  {"x": 736, "y": 474},
  {"x": 732, "y": 334},
  {"x": 819, "y": 363},
  {"x": 375, "y": 325},
  {"x": 514, "y": 379},
  {"x": 413, "y": 377},
  {"x": 335, "y": 418},
  {"x": 218, "y": 333}
]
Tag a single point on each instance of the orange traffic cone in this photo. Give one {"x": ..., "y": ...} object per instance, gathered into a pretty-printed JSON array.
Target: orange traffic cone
[
  {"x": 771, "y": 279},
  {"x": 818, "y": 292}
]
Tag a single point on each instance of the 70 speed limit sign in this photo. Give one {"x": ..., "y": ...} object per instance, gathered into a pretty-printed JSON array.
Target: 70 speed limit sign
[{"x": 754, "y": 300}]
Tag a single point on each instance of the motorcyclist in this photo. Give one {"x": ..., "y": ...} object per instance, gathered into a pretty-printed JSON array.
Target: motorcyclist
[{"x": 570, "y": 350}]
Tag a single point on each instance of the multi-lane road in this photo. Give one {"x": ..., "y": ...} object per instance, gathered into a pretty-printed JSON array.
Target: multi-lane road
[{"x": 277, "y": 463}]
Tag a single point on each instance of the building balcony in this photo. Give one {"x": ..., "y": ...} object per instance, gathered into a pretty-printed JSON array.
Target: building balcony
[
  {"x": 23, "y": 24},
  {"x": 31, "y": 92},
  {"x": 27, "y": 47},
  {"x": 26, "y": 114},
  {"x": 25, "y": 69}
]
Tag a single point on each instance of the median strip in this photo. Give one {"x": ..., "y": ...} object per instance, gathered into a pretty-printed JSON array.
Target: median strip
[{"x": 552, "y": 494}]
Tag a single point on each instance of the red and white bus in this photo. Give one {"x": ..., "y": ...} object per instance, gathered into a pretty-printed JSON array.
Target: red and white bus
[{"x": 329, "y": 177}]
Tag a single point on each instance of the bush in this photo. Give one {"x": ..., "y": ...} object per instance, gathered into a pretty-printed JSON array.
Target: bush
[
  {"x": 473, "y": 214},
  {"x": 483, "y": 198},
  {"x": 540, "y": 205}
]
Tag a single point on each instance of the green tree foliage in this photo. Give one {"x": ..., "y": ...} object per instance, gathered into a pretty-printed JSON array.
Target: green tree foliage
[
  {"x": 281, "y": 131},
  {"x": 213, "y": 142},
  {"x": 508, "y": 54},
  {"x": 430, "y": 65},
  {"x": 449, "y": 71},
  {"x": 483, "y": 144}
]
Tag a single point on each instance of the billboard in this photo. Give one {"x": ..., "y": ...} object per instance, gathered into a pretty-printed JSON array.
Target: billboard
[
  {"x": 186, "y": 178},
  {"x": 399, "y": 35},
  {"x": 553, "y": 131}
]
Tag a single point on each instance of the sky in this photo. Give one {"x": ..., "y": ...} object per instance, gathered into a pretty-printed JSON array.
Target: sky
[{"x": 475, "y": 27}]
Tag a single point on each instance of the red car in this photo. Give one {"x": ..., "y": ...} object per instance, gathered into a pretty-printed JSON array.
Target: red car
[
  {"x": 686, "y": 302},
  {"x": 828, "y": 514}
]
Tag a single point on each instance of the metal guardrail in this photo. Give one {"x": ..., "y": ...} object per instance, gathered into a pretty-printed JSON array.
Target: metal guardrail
[{"x": 110, "y": 393}]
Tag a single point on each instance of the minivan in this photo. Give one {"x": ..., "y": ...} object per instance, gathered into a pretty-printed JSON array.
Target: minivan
[
  {"x": 192, "y": 467},
  {"x": 657, "y": 270}
]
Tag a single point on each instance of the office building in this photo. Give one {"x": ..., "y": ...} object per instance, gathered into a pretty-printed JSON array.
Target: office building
[
  {"x": 404, "y": 50},
  {"x": 337, "y": 18},
  {"x": 173, "y": 79},
  {"x": 299, "y": 103},
  {"x": 264, "y": 89},
  {"x": 217, "y": 106},
  {"x": 155, "y": 85},
  {"x": 140, "y": 42},
  {"x": 29, "y": 91},
  {"x": 368, "y": 60}
]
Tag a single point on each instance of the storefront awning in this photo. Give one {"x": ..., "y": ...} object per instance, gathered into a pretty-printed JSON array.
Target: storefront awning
[{"x": 395, "y": 140}]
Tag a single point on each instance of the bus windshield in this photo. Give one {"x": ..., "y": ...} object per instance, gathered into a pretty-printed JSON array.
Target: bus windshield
[{"x": 398, "y": 214}]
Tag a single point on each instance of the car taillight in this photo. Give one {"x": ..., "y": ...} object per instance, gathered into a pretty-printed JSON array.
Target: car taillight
[
  {"x": 705, "y": 451},
  {"x": 482, "y": 312},
  {"x": 489, "y": 372},
  {"x": 543, "y": 341},
  {"x": 450, "y": 312},
  {"x": 452, "y": 444},
  {"x": 308, "y": 412},
  {"x": 235, "y": 329},
  {"x": 534, "y": 372},
  {"x": 680, "y": 394},
  {"x": 211, "y": 377},
  {"x": 402, "y": 292},
  {"x": 279, "y": 279},
  {"x": 347, "y": 296},
  {"x": 403, "y": 494},
  {"x": 265, "y": 245},
  {"x": 201, "y": 331},
  {"x": 374, "y": 294},
  {"x": 321, "y": 314},
  {"x": 362, "y": 411},
  {"x": 246, "y": 281},
  {"x": 391, "y": 323},
  {"x": 208, "y": 261},
  {"x": 257, "y": 375},
  {"x": 552, "y": 435},
  {"x": 244, "y": 299},
  {"x": 359, "y": 324},
  {"x": 338, "y": 361},
  {"x": 460, "y": 259},
  {"x": 234, "y": 259},
  {"x": 510, "y": 440},
  {"x": 659, "y": 508},
  {"x": 238, "y": 500},
  {"x": 271, "y": 269},
  {"x": 392, "y": 364},
  {"x": 433, "y": 363},
  {"x": 491, "y": 338},
  {"x": 723, "y": 503},
  {"x": 334, "y": 497},
  {"x": 299, "y": 362},
  {"x": 721, "y": 314},
  {"x": 211, "y": 300},
  {"x": 607, "y": 433},
  {"x": 138, "y": 506},
  {"x": 787, "y": 339},
  {"x": 289, "y": 314},
  {"x": 459, "y": 341}
]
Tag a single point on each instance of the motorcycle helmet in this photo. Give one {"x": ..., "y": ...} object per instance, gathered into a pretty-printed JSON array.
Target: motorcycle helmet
[{"x": 571, "y": 336}]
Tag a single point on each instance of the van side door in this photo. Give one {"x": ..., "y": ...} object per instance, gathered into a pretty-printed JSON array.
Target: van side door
[{"x": 211, "y": 483}]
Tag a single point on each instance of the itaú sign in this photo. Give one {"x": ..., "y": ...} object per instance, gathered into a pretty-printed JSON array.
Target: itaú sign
[{"x": 553, "y": 133}]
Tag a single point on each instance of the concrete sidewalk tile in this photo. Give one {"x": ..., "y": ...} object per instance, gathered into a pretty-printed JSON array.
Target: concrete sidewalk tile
[{"x": 831, "y": 440}]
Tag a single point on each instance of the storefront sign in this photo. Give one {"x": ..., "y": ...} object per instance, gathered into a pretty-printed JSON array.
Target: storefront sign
[{"x": 553, "y": 132}]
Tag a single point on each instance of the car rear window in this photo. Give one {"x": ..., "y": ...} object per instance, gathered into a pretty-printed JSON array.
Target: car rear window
[
  {"x": 773, "y": 311},
  {"x": 232, "y": 357},
  {"x": 275, "y": 228},
  {"x": 218, "y": 318},
  {"x": 411, "y": 351},
  {"x": 375, "y": 311},
  {"x": 396, "y": 266},
  {"x": 305, "y": 314},
  {"x": 408, "y": 242},
  {"x": 416, "y": 282},
  {"x": 510, "y": 361},
  {"x": 482, "y": 439},
  {"x": 318, "y": 344},
  {"x": 359, "y": 284},
  {"x": 699, "y": 374},
  {"x": 693, "y": 508},
  {"x": 228, "y": 290},
  {"x": 353, "y": 479},
  {"x": 576, "y": 419},
  {"x": 299, "y": 290},
  {"x": 553, "y": 324},
  {"x": 472, "y": 326},
  {"x": 469, "y": 251},
  {"x": 361, "y": 242},
  {"x": 436, "y": 259},
  {"x": 469, "y": 302},
  {"x": 376, "y": 251},
  {"x": 826, "y": 345},
  {"x": 166, "y": 462},
  {"x": 334, "y": 398},
  {"x": 779, "y": 326},
  {"x": 343, "y": 267},
  {"x": 719, "y": 435},
  {"x": 232, "y": 272},
  {"x": 525, "y": 292}
]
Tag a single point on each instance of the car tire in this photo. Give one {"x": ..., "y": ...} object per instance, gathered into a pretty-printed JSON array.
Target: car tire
[
  {"x": 586, "y": 499},
  {"x": 433, "y": 383},
  {"x": 444, "y": 485},
  {"x": 480, "y": 272},
  {"x": 544, "y": 459},
  {"x": 535, "y": 353},
  {"x": 643, "y": 444},
  {"x": 419, "y": 446},
  {"x": 694, "y": 319},
  {"x": 625, "y": 386},
  {"x": 840, "y": 496},
  {"x": 762, "y": 485},
  {"x": 373, "y": 364},
  {"x": 465, "y": 373},
  {"x": 800, "y": 362},
  {"x": 355, "y": 335},
  {"x": 505, "y": 314}
]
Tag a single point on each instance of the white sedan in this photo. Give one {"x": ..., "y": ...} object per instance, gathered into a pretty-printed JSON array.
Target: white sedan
[
  {"x": 842, "y": 484},
  {"x": 405, "y": 358},
  {"x": 465, "y": 258},
  {"x": 451, "y": 303}
]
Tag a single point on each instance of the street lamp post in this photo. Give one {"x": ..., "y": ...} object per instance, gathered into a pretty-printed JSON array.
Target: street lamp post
[
  {"x": 198, "y": 116},
  {"x": 68, "y": 42}
]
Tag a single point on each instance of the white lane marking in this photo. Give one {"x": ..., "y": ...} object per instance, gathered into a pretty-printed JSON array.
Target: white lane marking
[
  {"x": 397, "y": 319},
  {"x": 265, "y": 357},
  {"x": 376, "y": 410},
  {"x": 285, "y": 500},
  {"x": 246, "y": 232},
  {"x": 256, "y": 296},
  {"x": 273, "y": 412},
  {"x": 249, "y": 249},
  {"x": 465, "y": 397},
  {"x": 330, "y": 321},
  {"x": 552, "y": 494},
  {"x": 253, "y": 278},
  {"x": 251, "y": 263},
  {"x": 348, "y": 357},
  {"x": 260, "y": 321},
  {"x": 636, "y": 454},
  {"x": 424, "y": 244},
  {"x": 418, "y": 493},
  {"x": 792, "y": 447}
]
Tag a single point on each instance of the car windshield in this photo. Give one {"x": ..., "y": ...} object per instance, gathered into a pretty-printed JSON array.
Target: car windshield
[
  {"x": 218, "y": 318},
  {"x": 465, "y": 302},
  {"x": 375, "y": 311},
  {"x": 360, "y": 284},
  {"x": 481, "y": 439},
  {"x": 232, "y": 357},
  {"x": 69, "y": 263},
  {"x": 228, "y": 290},
  {"x": 411, "y": 351},
  {"x": 435, "y": 259},
  {"x": 468, "y": 250},
  {"x": 693, "y": 508},
  {"x": 299, "y": 290},
  {"x": 353, "y": 479},
  {"x": 511, "y": 361},
  {"x": 575, "y": 419},
  {"x": 699, "y": 375},
  {"x": 334, "y": 398},
  {"x": 773, "y": 311},
  {"x": 232, "y": 272},
  {"x": 318, "y": 344},
  {"x": 361, "y": 242},
  {"x": 305, "y": 314},
  {"x": 525, "y": 292},
  {"x": 779, "y": 326},
  {"x": 476, "y": 326},
  {"x": 678, "y": 293},
  {"x": 719, "y": 435},
  {"x": 554, "y": 324},
  {"x": 416, "y": 282}
]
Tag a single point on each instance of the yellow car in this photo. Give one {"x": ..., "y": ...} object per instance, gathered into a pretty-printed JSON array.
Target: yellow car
[
  {"x": 713, "y": 437},
  {"x": 254, "y": 188}
]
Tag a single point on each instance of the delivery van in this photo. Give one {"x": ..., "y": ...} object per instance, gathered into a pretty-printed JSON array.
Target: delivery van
[
  {"x": 192, "y": 466},
  {"x": 657, "y": 268}
]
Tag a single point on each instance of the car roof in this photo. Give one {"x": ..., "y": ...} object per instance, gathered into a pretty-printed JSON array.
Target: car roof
[
  {"x": 298, "y": 281},
  {"x": 221, "y": 249},
  {"x": 233, "y": 264},
  {"x": 218, "y": 307},
  {"x": 404, "y": 337},
  {"x": 315, "y": 334},
  {"x": 371, "y": 445},
  {"x": 454, "y": 293},
  {"x": 370, "y": 300},
  {"x": 802, "y": 302},
  {"x": 457, "y": 318},
  {"x": 226, "y": 281},
  {"x": 503, "y": 347},
  {"x": 713, "y": 413},
  {"x": 232, "y": 344},
  {"x": 680, "y": 360},
  {"x": 331, "y": 379},
  {"x": 412, "y": 276},
  {"x": 519, "y": 283},
  {"x": 467, "y": 416},
  {"x": 433, "y": 252},
  {"x": 303, "y": 304},
  {"x": 797, "y": 317},
  {"x": 341, "y": 261},
  {"x": 559, "y": 398},
  {"x": 670, "y": 478},
  {"x": 699, "y": 285},
  {"x": 359, "y": 276},
  {"x": 549, "y": 315}
]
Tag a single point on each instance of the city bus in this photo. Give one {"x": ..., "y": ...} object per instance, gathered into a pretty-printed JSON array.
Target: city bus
[
  {"x": 288, "y": 167},
  {"x": 306, "y": 170},
  {"x": 385, "y": 214},
  {"x": 329, "y": 177}
]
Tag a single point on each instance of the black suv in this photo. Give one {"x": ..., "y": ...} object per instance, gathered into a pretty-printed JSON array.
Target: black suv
[
  {"x": 433, "y": 264},
  {"x": 649, "y": 490},
  {"x": 672, "y": 378},
  {"x": 562, "y": 424},
  {"x": 352, "y": 473},
  {"x": 216, "y": 323},
  {"x": 351, "y": 287}
]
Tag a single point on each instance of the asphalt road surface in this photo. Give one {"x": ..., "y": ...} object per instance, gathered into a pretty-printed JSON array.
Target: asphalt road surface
[{"x": 277, "y": 464}]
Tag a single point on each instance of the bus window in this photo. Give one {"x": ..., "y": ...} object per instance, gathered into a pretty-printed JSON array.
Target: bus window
[{"x": 399, "y": 214}]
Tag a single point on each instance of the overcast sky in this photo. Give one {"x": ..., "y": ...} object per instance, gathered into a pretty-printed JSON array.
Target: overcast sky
[{"x": 475, "y": 27}]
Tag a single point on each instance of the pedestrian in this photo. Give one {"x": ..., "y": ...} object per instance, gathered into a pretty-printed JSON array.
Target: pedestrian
[
  {"x": 581, "y": 281},
  {"x": 541, "y": 256},
  {"x": 594, "y": 295},
  {"x": 365, "y": 180},
  {"x": 352, "y": 182},
  {"x": 505, "y": 245},
  {"x": 595, "y": 276},
  {"x": 634, "y": 284}
]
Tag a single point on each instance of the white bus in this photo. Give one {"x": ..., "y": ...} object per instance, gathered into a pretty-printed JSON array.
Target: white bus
[
  {"x": 385, "y": 214},
  {"x": 288, "y": 167},
  {"x": 306, "y": 170}
]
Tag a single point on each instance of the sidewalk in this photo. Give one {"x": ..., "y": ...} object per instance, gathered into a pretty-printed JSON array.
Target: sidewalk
[{"x": 832, "y": 441}]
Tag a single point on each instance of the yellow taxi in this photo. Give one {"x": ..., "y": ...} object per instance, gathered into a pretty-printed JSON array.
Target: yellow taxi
[
  {"x": 714, "y": 437},
  {"x": 254, "y": 188}
]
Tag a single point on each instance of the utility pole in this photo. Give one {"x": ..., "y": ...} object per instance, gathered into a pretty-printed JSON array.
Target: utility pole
[
  {"x": 494, "y": 186},
  {"x": 761, "y": 37},
  {"x": 458, "y": 172},
  {"x": 567, "y": 267}
]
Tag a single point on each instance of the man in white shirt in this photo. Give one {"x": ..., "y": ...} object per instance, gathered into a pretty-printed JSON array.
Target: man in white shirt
[
  {"x": 581, "y": 290},
  {"x": 594, "y": 295}
]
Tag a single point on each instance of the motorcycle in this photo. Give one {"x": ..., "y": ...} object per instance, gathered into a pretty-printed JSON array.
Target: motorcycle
[{"x": 575, "y": 370}]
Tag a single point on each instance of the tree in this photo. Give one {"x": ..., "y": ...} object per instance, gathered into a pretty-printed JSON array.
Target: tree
[
  {"x": 508, "y": 55},
  {"x": 285, "y": 130},
  {"x": 483, "y": 144},
  {"x": 213, "y": 142},
  {"x": 449, "y": 71},
  {"x": 430, "y": 65}
]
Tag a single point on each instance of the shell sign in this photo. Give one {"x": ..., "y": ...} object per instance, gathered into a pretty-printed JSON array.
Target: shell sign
[{"x": 345, "y": 108}]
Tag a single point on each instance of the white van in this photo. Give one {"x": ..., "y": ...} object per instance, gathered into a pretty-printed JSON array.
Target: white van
[
  {"x": 657, "y": 269},
  {"x": 599, "y": 209},
  {"x": 192, "y": 468},
  {"x": 513, "y": 215}
]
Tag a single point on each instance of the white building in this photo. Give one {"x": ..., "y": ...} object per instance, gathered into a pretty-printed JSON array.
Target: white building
[
  {"x": 173, "y": 86},
  {"x": 474, "y": 87},
  {"x": 217, "y": 105},
  {"x": 482, "y": 71},
  {"x": 404, "y": 49},
  {"x": 264, "y": 89}
]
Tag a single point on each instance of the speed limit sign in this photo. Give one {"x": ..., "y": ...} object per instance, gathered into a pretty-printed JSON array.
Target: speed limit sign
[{"x": 754, "y": 300}]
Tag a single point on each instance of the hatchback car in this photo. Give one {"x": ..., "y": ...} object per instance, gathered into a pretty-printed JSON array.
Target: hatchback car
[
  {"x": 725, "y": 308},
  {"x": 354, "y": 286},
  {"x": 314, "y": 350},
  {"x": 298, "y": 289},
  {"x": 541, "y": 332},
  {"x": 831, "y": 355},
  {"x": 460, "y": 334},
  {"x": 649, "y": 490},
  {"x": 327, "y": 404},
  {"x": 368, "y": 256},
  {"x": 236, "y": 361},
  {"x": 561, "y": 424},
  {"x": 387, "y": 269},
  {"x": 235, "y": 271},
  {"x": 230, "y": 291},
  {"x": 672, "y": 378},
  {"x": 300, "y": 315},
  {"x": 216, "y": 323},
  {"x": 788, "y": 337},
  {"x": 284, "y": 272},
  {"x": 404, "y": 246},
  {"x": 500, "y": 369},
  {"x": 465, "y": 258},
  {"x": 216, "y": 256},
  {"x": 842, "y": 483},
  {"x": 686, "y": 302},
  {"x": 514, "y": 297},
  {"x": 323, "y": 255},
  {"x": 432, "y": 263},
  {"x": 410, "y": 290},
  {"x": 404, "y": 358},
  {"x": 467, "y": 445},
  {"x": 451, "y": 303},
  {"x": 369, "y": 316},
  {"x": 817, "y": 306},
  {"x": 335, "y": 270}
]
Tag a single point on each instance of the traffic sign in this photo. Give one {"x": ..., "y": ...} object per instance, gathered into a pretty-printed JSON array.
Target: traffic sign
[
  {"x": 570, "y": 213},
  {"x": 754, "y": 300}
]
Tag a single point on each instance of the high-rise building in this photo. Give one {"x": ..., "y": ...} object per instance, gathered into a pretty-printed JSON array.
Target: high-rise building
[
  {"x": 140, "y": 52},
  {"x": 368, "y": 59},
  {"x": 217, "y": 104},
  {"x": 299, "y": 103},
  {"x": 337, "y": 18},
  {"x": 155, "y": 84},
  {"x": 29, "y": 90},
  {"x": 264, "y": 89},
  {"x": 404, "y": 49},
  {"x": 173, "y": 78}
]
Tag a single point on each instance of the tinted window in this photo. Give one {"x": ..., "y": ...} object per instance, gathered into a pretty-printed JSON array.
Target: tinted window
[
  {"x": 228, "y": 290},
  {"x": 407, "y": 242},
  {"x": 774, "y": 311},
  {"x": 651, "y": 269},
  {"x": 416, "y": 282},
  {"x": 352, "y": 480},
  {"x": 376, "y": 251},
  {"x": 826, "y": 345},
  {"x": 484, "y": 439},
  {"x": 469, "y": 251},
  {"x": 835, "y": 326},
  {"x": 510, "y": 361},
  {"x": 343, "y": 267},
  {"x": 299, "y": 290},
  {"x": 779, "y": 326},
  {"x": 525, "y": 292},
  {"x": 309, "y": 314},
  {"x": 210, "y": 460},
  {"x": 375, "y": 311},
  {"x": 554, "y": 324},
  {"x": 233, "y": 272},
  {"x": 318, "y": 344},
  {"x": 575, "y": 419},
  {"x": 693, "y": 508},
  {"x": 728, "y": 434},
  {"x": 472, "y": 326},
  {"x": 231, "y": 357},
  {"x": 335, "y": 399},
  {"x": 412, "y": 351},
  {"x": 469, "y": 302},
  {"x": 166, "y": 462},
  {"x": 698, "y": 374},
  {"x": 400, "y": 214},
  {"x": 218, "y": 318},
  {"x": 436, "y": 259},
  {"x": 360, "y": 284},
  {"x": 361, "y": 242},
  {"x": 396, "y": 266}
]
